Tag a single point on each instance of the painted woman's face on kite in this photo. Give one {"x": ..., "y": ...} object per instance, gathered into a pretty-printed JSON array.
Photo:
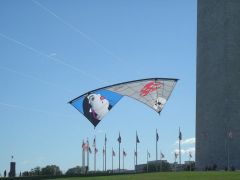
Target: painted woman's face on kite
[{"x": 98, "y": 106}]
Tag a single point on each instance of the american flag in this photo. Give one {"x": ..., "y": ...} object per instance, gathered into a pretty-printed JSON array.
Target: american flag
[
  {"x": 83, "y": 143},
  {"x": 105, "y": 138},
  {"x": 89, "y": 149},
  {"x": 162, "y": 155},
  {"x": 95, "y": 150},
  {"x": 119, "y": 138},
  {"x": 176, "y": 155},
  {"x": 85, "y": 146},
  {"x": 113, "y": 153},
  {"x": 94, "y": 142},
  {"x": 149, "y": 154},
  {"x": 190, "y": 155},
  {"x": 137, "y": 140},
  {"x": 124, "y": 153},
  {"x": 180, "y": 135}
]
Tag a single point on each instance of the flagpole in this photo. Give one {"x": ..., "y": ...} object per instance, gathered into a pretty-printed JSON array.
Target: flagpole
[
  {"x": 136, "y": 148},
  {"x": 119, "y": 151},
  {"x": 112, "y": 160},
  {"x": 180, "y": 145},
  {"x": 123, "y": 159},
  {"x": 156, "y": 145},
  {"x": 95, "y": 159},
  {"x": 82, "y": 153},
  {"x": 134, "y": 159},
  {"x": 190, "y": 161},
  {"x": 175, "y": 161},
  {"x": 83, "y": 157},
  {"x": 95, "y": 152},
  {"x": 103, "y": 158},
  {"x": 160, "y": 161},
  {"x": 156, "y": 150},
  {"x": 105, "y": 152},
  {"x": 147, "y": 160},
  {"x": 87, "y": 154}
]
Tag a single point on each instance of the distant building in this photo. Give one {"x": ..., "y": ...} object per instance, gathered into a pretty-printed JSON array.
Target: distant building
[
  {"x": 158, "y": 164},
  {"x": 165, "y": 165},
  {"x": 12, "y": 172},
  {"x": 140, "y": 167},
  {"x": 189, "y": 162},
  {"x": 177, "y": 167}
]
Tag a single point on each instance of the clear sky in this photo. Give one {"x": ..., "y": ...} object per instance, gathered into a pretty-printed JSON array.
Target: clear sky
[{"x": 53, "y": 51}]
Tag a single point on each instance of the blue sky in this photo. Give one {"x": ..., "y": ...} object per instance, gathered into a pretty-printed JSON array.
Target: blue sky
[{"x": 54, "y": 51}]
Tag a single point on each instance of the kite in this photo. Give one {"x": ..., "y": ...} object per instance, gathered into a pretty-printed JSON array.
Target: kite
[{"x": 153, "y": 92}]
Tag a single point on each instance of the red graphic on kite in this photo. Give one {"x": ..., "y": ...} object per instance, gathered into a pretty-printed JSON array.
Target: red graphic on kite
[{"x": 150, "y": 87}]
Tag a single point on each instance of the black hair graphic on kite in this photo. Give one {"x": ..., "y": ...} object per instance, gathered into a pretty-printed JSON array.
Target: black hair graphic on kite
[{"x": 95, "y": 107}]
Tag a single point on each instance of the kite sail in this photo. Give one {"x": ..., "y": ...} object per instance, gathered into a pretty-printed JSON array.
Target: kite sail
[{"x": 95, "y": 104}]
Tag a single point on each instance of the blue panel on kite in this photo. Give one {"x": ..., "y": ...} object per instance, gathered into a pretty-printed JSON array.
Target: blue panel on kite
[{"x": 96, "y": 104}]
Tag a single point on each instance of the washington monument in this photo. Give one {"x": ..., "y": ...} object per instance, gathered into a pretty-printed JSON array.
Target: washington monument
[{"x": 218, "y": 84}]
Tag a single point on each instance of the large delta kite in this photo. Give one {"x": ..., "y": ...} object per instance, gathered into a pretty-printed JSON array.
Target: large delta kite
[{"x": 95, "y": 104}]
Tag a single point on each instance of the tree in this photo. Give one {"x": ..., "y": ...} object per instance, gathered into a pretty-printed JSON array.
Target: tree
[
  {"x": 36, "y": 171},
  {"x": 25, "y": 173},
  {"x": 51, "y": 170},
  {"x": 74, "y": 171}
]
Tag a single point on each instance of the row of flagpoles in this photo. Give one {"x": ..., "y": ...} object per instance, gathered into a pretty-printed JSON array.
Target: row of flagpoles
[{"x": 86, "y": 149}]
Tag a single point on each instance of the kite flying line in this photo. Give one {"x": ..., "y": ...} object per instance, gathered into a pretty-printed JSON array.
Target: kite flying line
[
  {"x": 74, "y": 28},
  {"x": 33, "y": 109},
  {"x": 34, "y": 78},
  {"x": 52, "y": 58}
]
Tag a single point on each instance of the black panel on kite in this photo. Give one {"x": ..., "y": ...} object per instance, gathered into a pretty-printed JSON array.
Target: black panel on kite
[{"x": 95, "y": 104}]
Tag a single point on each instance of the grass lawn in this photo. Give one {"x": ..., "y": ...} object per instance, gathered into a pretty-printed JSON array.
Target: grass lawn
[{"x": 167, "y": 176}]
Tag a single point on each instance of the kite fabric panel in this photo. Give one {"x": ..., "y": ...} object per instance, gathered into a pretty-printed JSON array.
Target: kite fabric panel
[{"x": 153, "y": 92}]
